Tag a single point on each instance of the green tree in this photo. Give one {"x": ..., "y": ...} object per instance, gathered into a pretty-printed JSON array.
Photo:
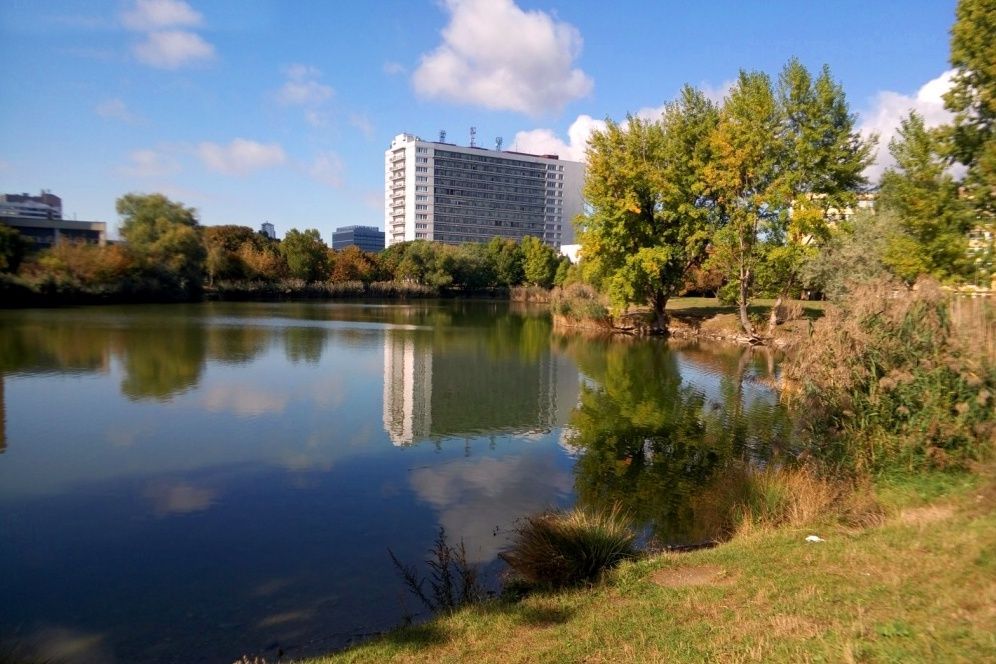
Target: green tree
[
  {"x": 650, "y": 219},
  {"x": 563, "y": 271},
  {"x": 166, "y": 237},
  {"x": 746, "y": 179},
  {"x": 306, "y": 254},
  {"x": 12, "y": 248},
  {"x": 506, "y": 257},
  {"x": 925, "y": 200},
  {"x": 352, "y": 264},
  {"x": 539, "y": 262},
  {"x": 222, "y": 245},
  {"x": 972, "y": 138}
]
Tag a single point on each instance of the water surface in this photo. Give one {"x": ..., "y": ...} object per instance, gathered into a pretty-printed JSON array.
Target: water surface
[{"x": 187, "y": 483}]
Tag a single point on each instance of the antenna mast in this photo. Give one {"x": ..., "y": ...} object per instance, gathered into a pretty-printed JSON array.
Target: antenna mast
[{"x": 473, "y": 137}]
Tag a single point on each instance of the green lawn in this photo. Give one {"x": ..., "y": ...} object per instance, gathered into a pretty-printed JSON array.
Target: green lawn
[{"x": 706, "y": 307}]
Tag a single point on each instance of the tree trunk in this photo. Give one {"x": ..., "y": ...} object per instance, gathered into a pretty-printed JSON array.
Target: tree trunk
[
  {"x": 773, "y": 318},
  {"x": 660, "y": 313},
  {"x": 742, "y": 299}
]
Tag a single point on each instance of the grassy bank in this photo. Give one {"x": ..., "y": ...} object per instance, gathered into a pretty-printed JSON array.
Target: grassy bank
[{"x": 919, "y": 586}]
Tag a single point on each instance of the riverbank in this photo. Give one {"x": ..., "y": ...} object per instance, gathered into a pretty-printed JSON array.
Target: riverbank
[{"x": 919, "y": 585}]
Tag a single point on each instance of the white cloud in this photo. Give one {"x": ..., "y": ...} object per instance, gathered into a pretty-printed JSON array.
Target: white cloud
[
  {"x": 303, "y": 88},
  {"x": 496, "y": 55},
  {"x": 172, "y": 49},
  {"x": 115, "y": 109},
  {"x": 327, "y": 168},
  {"x": 362, "y": 123},
  {"x": 149, "y": 15},
  {"x": 717, "y": 94},
  {"x": 241, "y": 156},
  {"x": 150, "y": 163},
  {"x": 545, "y": 141},
  {"x": 394, "y": 68},
  {"x": 890, "y": 107}
]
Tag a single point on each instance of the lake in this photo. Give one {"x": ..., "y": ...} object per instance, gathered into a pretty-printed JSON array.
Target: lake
[{"x": 188, "y": 483}]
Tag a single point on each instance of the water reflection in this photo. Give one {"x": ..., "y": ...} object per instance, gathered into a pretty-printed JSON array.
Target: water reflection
[{"x": 652, "y": 440}]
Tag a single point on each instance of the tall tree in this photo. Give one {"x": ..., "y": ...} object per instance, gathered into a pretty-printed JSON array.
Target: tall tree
[
  {"x": 306, "y": 254},
  {"x": 746, "y": 178},
  {"x": 925, "y": 200},
  {"x": 166, "y": 235},
  {"x": 539, "y": 262},
  {"x": 972, "y": 98},
  {"x": 650, "y": 220}
]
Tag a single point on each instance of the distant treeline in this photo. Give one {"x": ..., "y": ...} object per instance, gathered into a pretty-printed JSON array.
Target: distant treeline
[{"x": 167, "y": 255}]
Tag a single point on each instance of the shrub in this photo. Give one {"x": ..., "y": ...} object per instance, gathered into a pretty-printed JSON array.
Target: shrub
[
  {"x": 452, "y": 578},
  {"x": 578, "y": 301},
  {"x": 559, "y": 549},
  {"x": 887, "y": 382}
]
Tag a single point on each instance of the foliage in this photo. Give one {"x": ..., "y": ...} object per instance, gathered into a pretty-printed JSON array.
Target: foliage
[
  {"x": 506, "y": 257},
  {"x": 306, "y": 254},
  {"x": 856, "y": 252},
  {"x": 539, "y": 262},
  {"x": 887, "y": 383},
  {"x": 224, "y": 250},
  {"x": 562, "y": 272},
  {"x": 452, "y": 579},
  {"x": 165, "y": 238},
  {"x": 561, "y": 549},
  {"x": 925, "y": 200},
  {"x": 971, "y": 140},
  {"x": 352, "y": 264},
  {"x": 579, "y": 302},
  {"x": 650, "y": 221},
  {"x": 12, "y": 248}
]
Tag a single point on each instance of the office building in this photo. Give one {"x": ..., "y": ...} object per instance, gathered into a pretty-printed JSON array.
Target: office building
[
  {"x": 45, "y": 205},
  {"x": 367, "y": 238},
  {"x": 444, "y": 192},
  {"x": 268, "y": 230}
]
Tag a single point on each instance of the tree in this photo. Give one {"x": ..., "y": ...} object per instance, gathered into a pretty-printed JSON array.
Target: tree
[
  {"x": 306, "y": 254},
  {"x": 352, "y": 264},
  {"x": 972, "y": 139},
  {"x": 925, "y": 200},
  {"x": 165, "y": 235},
  {"x": 650, "y": 218},
  {"x": 745, "y": 177},
  {"x": 506, "y": 257},
  {"x": 12, "y": 248},
  {"x": 539, "y": 262},
  {"x": 222, "y": 244}
]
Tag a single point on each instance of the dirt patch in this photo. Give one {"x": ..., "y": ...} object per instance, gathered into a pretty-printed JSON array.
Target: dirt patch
[
  {"x": 684, "y": 577},
  {"x": 928, "y": 514}
]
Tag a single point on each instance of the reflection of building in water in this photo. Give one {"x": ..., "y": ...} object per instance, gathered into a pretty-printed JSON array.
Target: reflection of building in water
[
  {"x": 407, "y": 387},
  {"x": 451, "y": 389},
  {"x": 3, "y": 419}
]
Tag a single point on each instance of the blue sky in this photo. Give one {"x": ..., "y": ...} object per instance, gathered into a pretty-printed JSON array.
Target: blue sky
[{"x": 281, "y": 111}]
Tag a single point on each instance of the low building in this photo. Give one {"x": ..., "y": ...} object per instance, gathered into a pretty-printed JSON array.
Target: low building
[
  {"x": 48, "y": 232},
  {"x": 367, "y": 238}
]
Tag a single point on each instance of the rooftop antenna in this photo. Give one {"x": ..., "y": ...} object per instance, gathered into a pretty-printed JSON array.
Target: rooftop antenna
[
  {"x": 473, "y": 137},
  {"x": 498, "y": 144},
  {"x": 442, "y": 135}
]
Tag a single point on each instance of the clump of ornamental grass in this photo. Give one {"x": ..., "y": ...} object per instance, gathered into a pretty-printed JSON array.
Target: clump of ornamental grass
[
  {"x": 560, "y": 549},
  {"x": 888, "y": 381}
]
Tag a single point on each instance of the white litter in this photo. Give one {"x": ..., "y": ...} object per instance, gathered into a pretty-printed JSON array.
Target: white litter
[{"x": 815, "y": 538}]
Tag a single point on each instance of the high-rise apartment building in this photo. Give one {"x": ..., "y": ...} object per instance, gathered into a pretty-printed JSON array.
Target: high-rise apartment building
[{"x": 444, "y": 192}]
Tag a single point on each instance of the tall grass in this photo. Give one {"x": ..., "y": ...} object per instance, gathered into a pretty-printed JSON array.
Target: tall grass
[
  {"x": 560, "y": 549},
  {"x": 888, "y": 381},
  {"x": 578, "y": 302}
]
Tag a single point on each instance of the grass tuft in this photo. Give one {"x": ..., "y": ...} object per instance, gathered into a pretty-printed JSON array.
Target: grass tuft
[{"x": 561, "y": 549}]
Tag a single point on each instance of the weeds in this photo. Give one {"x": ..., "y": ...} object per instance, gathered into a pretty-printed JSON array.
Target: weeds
[
  {"x": 452, "y": 579},
  {"x": 560, "y": 549},
  {"x": 578, "y": 302}
]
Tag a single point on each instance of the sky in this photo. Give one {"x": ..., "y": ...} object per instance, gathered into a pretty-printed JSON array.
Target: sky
[{"x": 267, "y": 110}]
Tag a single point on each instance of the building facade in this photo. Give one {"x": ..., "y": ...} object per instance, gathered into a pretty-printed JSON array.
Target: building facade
[
  {"x": 267, "y": 229},
  {"x": 367, "y": 238},
  {"x": 444, "y": 192},
  {"x": 45, "y": 233},
  {"x": 45, "y": 205}
]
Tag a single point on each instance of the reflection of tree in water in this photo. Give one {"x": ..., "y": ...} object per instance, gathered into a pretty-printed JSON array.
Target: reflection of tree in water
[
  {"x": 161, "y": 362},
  {"x": 304, "y": 343},
  {"x": 654, "y": 445},
  {"x": 53, "y": 345},
  {"x": 236, "y": 344}
]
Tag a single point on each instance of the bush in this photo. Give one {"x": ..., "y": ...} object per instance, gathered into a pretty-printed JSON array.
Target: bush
[
  {"x": 578, "y": 302},
  {"x": 559, "y": 549},
  {"x": 887, "y": 382}
]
